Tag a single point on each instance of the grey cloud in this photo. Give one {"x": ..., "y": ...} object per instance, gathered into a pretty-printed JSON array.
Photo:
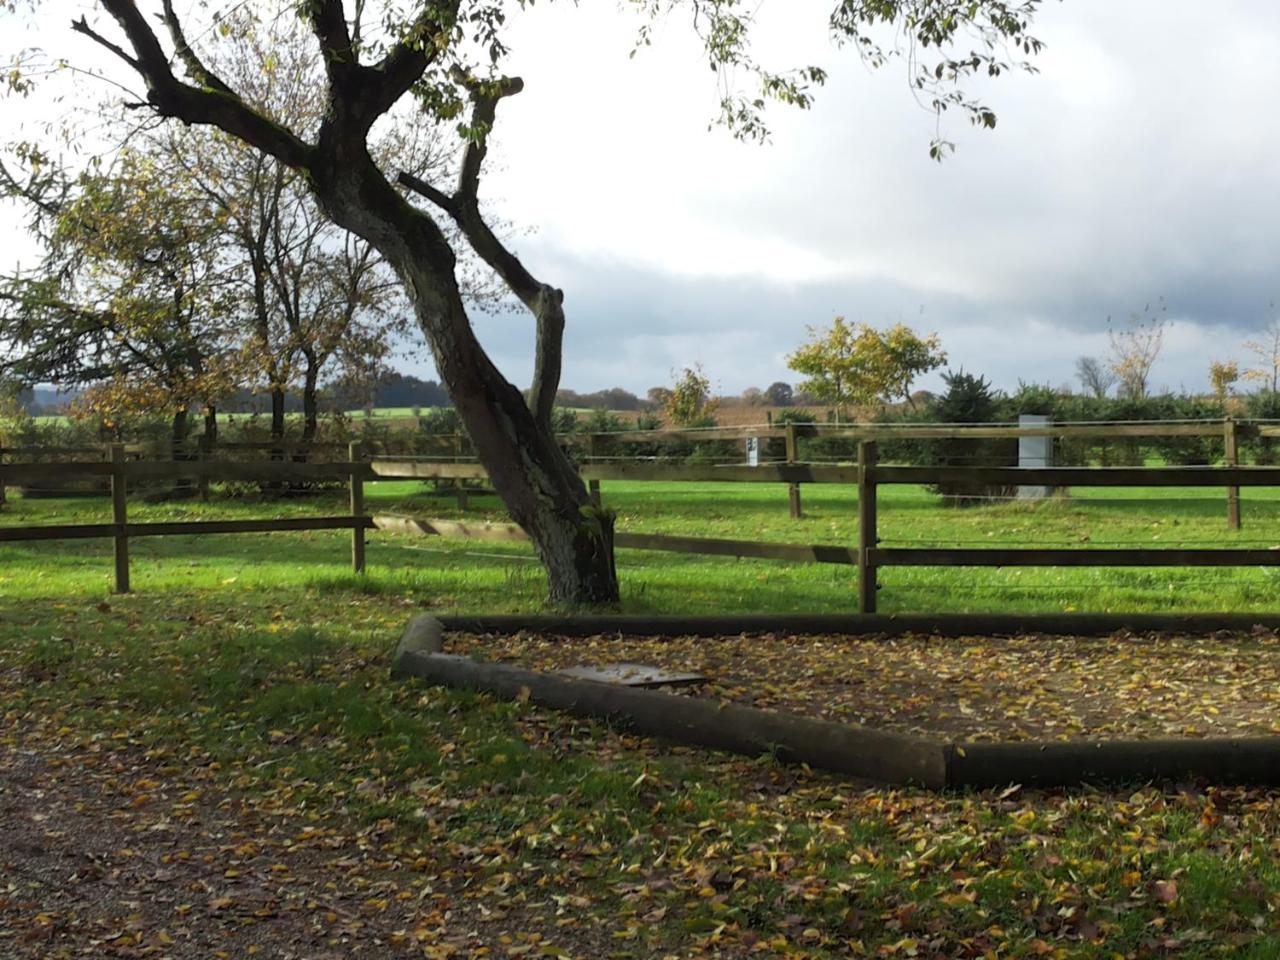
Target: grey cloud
[{"x": 631, "y": 327}]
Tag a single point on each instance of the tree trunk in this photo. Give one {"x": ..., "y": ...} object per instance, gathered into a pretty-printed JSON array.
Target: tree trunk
[
  {"x": 209, "y": 439},
  {"x": 277, "y": 434},
  {"x": 277, "y": 420},
  {"x": 310, "y": 404},
  {"x": 539, "y": 485},
  {"x": 180, "y": 430}
]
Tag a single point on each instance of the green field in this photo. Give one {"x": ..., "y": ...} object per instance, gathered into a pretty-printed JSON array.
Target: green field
[{"x": 231, "y": 728}]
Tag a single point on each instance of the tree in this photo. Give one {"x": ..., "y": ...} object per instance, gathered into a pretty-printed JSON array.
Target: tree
[
  {"x": 657, "y": 398},
  {"x": 14, "y": 415},
  {"x": 689, "y": 401},
  {"x": 1134, "y": 349},
  {"x": 860, "y": 365},
  {"x": 1095, "y": 376},
  {"x": 968, "y": 399},
  {"x": 130, "y": 299},
  {"x": 779, "y": 394},
  {"x": 1267, "y": 351},
  {"x": 375, "y": 58},
  {"x": 611, "y": 398},
  {"x": 319, "y": 303},
  {"x": 753, "y": 397},
  {"x": 1222, "y": 374},
  {"x": 15, "y": 419},
  {"x": 399, "y": 390}
]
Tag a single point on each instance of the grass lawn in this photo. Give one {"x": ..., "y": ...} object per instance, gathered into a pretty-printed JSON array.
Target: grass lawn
[{"x": 219, "y": 762}]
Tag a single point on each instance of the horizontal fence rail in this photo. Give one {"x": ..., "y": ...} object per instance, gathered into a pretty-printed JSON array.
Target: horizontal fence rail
[
  {"x": 707, "y": 546},
  {"x": 1086, "y": 476},
  {"x": 1086, "y": 557},
  {"x": 175, "y": 528}
]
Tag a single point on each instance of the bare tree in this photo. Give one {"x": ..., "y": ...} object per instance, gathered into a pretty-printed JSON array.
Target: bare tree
[
  {"x": 1134, "y": 349},
  {"x": 1095, "y": 376},
  {"x": 1267, "y": 351}
]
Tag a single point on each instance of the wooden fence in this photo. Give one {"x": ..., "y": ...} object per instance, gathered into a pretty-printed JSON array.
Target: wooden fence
[
  {"x": 1229, "y": 430},
  {"x": 587, "y": 447},
  {"x": 867, "y": 475},
  {"x": 121, "y": 472}
]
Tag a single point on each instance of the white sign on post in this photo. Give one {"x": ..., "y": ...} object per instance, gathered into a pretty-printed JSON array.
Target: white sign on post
[
  {"x": 753, "y": 451},
  {"x": 1034, "y": 452}
]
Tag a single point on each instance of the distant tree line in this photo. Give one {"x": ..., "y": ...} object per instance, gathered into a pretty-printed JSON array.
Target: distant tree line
[{"x": 614, "y": 398}]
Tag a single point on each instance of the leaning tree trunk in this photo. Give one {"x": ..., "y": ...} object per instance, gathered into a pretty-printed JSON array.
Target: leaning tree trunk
[{"x": 535, "y": 479}]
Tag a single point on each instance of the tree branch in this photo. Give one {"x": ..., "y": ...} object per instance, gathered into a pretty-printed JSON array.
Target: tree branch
[
  {"x": 82, "y": 26},
  {"x": 485, "y": 96},
  {"x": 548, "y": 355},
  {"x": 329, "y": 24},
  {"x": 545, "y": 302},
  {"x": 198, "y": 71},
  {"x": 367, "y": 92},
  {"x": 406, "y": 62},
  {"x": 170, "y": 97},
  {"x": 421, "y": 187}
]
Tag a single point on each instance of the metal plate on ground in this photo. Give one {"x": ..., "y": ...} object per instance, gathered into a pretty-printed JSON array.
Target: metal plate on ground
[{"x": 633, "y": 675}]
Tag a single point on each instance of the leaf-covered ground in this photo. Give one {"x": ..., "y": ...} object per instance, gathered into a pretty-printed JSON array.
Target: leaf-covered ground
[
  {"x": 973, "y": 688},
  {"x": 233, "y": 774}
]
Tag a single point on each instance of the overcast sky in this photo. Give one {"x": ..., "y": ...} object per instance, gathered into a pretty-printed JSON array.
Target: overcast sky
[{"x": 1140, "y": 163}]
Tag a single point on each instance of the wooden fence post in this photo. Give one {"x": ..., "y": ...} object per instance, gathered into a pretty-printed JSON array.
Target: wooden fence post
[
  {"x": 119, "y": 515},
  {"x": 793, "y": 490},
  {"x": 356, "y": 456},
  {"x": 867, "y": 538},
  {"x": 1231, "y": 444},
  {"x": 593, "y": 486}
]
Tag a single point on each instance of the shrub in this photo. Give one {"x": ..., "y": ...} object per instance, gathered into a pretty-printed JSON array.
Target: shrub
[
  {"x": 969, "y": 399},
  {"x": 1263, "y": 405}
]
